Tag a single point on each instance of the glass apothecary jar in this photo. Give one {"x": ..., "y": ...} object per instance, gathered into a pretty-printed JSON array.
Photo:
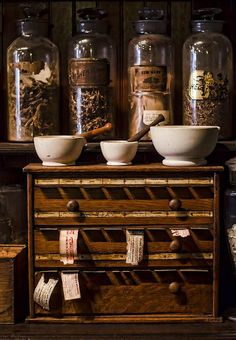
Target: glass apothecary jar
[
  {"x": 32, "y": 80},
  {"x": 150, "y": 71},
  {"x": 90, "y": 70},
  {"x": 207, "y": 74}
]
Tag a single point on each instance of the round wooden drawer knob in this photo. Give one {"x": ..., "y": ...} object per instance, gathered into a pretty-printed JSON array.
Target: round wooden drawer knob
[
  {"x": 174, "y": 287},
  {"x": 175, "y": 245},
  {"x": 175, "y": 204},
  {"x": 72, "y": 206}
]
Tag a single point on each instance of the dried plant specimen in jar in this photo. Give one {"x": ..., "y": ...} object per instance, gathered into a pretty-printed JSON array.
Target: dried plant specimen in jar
[
  {"x": 206, "y": 102},
  {"x": 33, "y": 94},
  {"x": 89, "y": 108}
]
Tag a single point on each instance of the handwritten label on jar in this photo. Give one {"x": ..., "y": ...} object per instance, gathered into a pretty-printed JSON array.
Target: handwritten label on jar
[
  {"x": 148, "y": 78},
  {"x": 43, "y": 291},
  {"x": 89, "y": 72},
  {"x": 68, "y": 245},
  {"x": 70, "y": 285},
  {"x": 204, "y": 85},
  {"x": 135, "y": 244},
  {"x": 150, "y": 115}
]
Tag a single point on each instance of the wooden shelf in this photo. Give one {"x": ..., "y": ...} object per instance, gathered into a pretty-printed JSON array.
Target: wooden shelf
[
  {"x": 183, "y": 331},
  {"x": 17, "y": 148},
  {"x": 6, "y": 148}
]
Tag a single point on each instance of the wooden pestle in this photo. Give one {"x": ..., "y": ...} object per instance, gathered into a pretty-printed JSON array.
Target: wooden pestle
[
  {"x": 140, "y": 134},
  {"x": 89, "y": 134}
]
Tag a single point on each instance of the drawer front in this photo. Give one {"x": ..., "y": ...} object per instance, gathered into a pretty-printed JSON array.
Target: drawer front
[
  {"x": 131, "y": 199},
  {"x": 99, "y": 246},
  {"x": 135, "y": 292}
]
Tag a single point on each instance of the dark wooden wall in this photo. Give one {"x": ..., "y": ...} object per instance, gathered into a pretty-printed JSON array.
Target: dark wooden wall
[{"x": 61, "y": 19}]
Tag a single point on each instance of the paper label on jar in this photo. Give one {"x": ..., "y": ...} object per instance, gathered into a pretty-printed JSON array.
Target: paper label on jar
[
  {"x": 68, "y": 245},
  {"x": 206, "y": 85},
  {"x": 70, "y": 285},
  {"x": 150, "y": 115},
  {"x": 89, "y": 72},
  {"x": 148, "y": 78},
  {"x": 232, "y": 241},
  {"x": 180, "y": 232},
  {"x": 43, "y": 291},
  {"x": 135, "y": 244}
]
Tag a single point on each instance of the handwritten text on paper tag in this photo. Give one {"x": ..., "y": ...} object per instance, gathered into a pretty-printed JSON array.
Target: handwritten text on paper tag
[
  {"x": 135, "y": 244},
  {"x": 68, "y": 245},
  {"x": 180, "y": 232},
  {"x": 43, "y": 291},
  {"x": 70, "y": 285}
]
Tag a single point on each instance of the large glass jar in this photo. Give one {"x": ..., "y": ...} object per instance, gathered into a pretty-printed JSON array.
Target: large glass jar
[
  {"x": 150, "y": 71},
  {"x": 207, "y": 74},
  {"x": 32, "y": 82},
  {"x": 90, "y": 66}
]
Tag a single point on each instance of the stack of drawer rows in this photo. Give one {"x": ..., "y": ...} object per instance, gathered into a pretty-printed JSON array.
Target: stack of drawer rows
[{"x": 175, "y": 208}]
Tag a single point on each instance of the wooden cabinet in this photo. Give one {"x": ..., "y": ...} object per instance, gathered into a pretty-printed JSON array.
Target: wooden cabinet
[
  {"x": 176, "y": 210},
  {"x": 13, "y": 283}
]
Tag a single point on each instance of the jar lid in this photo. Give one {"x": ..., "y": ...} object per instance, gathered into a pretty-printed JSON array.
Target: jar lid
[
  {"x": 207, "y": 21},
  {"x": 32, "y": 23},
  {"x": 32, "y": 27},
  {"x": 92, "y": 20},
  {"x": 151, "y": 20}
]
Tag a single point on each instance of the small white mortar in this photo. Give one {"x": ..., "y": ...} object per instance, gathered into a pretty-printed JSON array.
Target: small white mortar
[{"x": 119, "y": 152}]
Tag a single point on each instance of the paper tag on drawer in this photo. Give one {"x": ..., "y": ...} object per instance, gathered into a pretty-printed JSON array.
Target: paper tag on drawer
[
  {"x": 43, "y": 291},
  {"x": 68, "y": 245},
  {"x": 70, "y": 285},
  {"x": 180, "y": 232},
  {"x": 135, "y": 244}
]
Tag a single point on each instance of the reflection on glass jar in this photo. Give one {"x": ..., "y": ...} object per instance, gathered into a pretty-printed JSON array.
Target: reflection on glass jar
[
  {"x": 150, "y": 71},
  {"x": 207, "y": 74},
  {"x": 90, "y": 71},
  {"x": 32, "y": 83}
]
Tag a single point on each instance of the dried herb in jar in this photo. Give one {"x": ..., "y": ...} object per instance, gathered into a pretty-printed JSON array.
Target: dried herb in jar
[
  {"x": 206, "y": 100},
  {"x": 90, "y": 73},
  {"x": 32, "y": 78},
  {"x": 32, "y": 100},
  {"x": 89, "y": 108},
  {"x": 207, "y": 73}
]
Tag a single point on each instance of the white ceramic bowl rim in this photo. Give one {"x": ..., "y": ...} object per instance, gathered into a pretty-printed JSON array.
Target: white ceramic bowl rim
[
  {"x": 187, "y": 127},
  {"x": 59, "y": 137},
  {"x": 120, "y": 141}
]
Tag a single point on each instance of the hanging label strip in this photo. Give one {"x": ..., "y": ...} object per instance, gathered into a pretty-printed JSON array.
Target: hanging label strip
[
  {"x": 180, "y": 232},
  {"x": 43, "y": 291},
  {"x": 68, "y": 245},
  {"x": 135, "y": 244},
  {"x": 70, "y": 284}
]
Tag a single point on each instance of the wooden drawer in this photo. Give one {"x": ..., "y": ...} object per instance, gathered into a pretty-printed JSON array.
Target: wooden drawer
[
  {"x": 131, "y": 291},
  {"x": 132, "y": 199},
  {"x": 99, "y": 246}
]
